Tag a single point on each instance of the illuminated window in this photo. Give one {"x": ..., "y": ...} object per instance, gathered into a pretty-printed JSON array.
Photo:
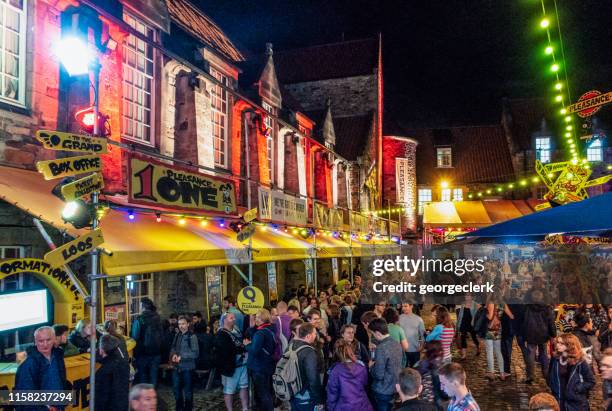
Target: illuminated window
[
  {"x": 543, "y": 149},
  {"x": 424, "y": 198},
  {"x": 457, "y": 194},
  {"x": 219, "y": 112},
  {"x": 446, "y": 194},
  {"x": 12, "y": 51},
  {"x": 139, "y": 287},
  {"x": 138, "y": 84},
  {"x": 269, "y": 123},
  {"x": 445, "y": 157},
  {"x": 594, "y": 151}
]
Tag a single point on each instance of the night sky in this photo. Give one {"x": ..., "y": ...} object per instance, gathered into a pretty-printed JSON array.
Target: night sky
[{"x": 446, "y": 62}]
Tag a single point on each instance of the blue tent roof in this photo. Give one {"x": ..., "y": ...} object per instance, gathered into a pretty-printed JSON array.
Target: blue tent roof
[{"x": 591, "y": 215}]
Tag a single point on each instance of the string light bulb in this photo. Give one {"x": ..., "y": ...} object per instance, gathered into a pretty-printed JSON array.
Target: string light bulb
[
  {"x": 182, "y": 221},
  {"x": 158, "y": 217},
  {"x": 554, "y": 68},
  {"x": 131, "y": 216},
  {"x": 563, "y": 111},
  {"x": 548, "y": 50},
  {"x": 558, "y": 86},
  {"x": 544, "y": 23},
  {"x": 204, "y": 222}
]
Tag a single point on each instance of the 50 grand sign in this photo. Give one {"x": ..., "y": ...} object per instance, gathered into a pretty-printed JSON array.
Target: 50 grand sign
[{"x": 154, "y": 183}]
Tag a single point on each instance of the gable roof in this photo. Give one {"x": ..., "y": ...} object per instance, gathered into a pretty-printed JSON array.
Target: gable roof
[
  {"x": 480, "y": 154},
  {"x": 352, "y": 135},
  {"x": 526, "y": 116},
  {"x": 327, "y": 61},
  {"x": 198, "y": 24}
]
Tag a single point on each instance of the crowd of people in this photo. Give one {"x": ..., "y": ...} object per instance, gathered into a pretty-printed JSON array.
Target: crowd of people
[{"x": 330, "y": 351}]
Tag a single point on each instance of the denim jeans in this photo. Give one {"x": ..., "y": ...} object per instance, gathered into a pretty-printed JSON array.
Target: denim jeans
[
  {"x": 183, "y": 389},
  {"x": 383, "y": 402},
  {"x": 262, "y": 384},
  {"x": 147, "y": 367},
  {"x": 538, "y": 350},
  {"x": 494, "y": 348}
]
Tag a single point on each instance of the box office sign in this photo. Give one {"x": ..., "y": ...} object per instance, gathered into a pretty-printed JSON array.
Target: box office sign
[
  {"x": 153, "y": 183},
  {"x": 69, "y": 166}
]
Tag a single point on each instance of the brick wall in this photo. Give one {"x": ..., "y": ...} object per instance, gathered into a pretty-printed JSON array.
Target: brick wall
[
  {"x": 349, "y": 96},
  {"x": 185, "y": 133},
  {"x": 290, "y": 166}
]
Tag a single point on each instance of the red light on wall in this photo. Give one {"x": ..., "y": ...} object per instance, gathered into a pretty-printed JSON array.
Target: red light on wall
[{"x": 85, "y": 118}]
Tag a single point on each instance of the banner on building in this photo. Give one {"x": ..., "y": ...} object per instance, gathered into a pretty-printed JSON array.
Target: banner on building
[
  {"x": 154, "y": 183},
  {"x": 328, "y": 218},
  {"x": 335, "y": 270},
  {"x": 272, "y": 285},
  {"x": 281, "y": 207},
  {"x": 402, "y": 178}
]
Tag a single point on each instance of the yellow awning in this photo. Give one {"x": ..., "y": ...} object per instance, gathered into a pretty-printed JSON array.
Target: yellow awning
[
  {"x": 329, "y": 246},
  {"x": 144, "y": 245},
  {"x": 465, "y": 214}
]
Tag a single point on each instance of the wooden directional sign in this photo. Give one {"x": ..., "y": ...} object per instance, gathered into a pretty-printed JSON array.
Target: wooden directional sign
[
  {"x": 590, "y": 103},
  {"x": 250, "y": 215},
  {"x": 57, "y": 140},
  {"x": 74, "y": 249},
  {"x": 69, "y": 166},
  {"x": 82, "y": 187},
  {"x": 246, "y": 232}
]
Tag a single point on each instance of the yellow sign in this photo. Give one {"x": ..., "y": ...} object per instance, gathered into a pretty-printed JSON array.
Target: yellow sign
[
  {"x": 250, "y": 300},
  {"x": 154, "y": 183},
  {"x": 70, "y": 166},
  {"x": 74, "y": 249},
  {"x": 250, "y": 215},
  {"x": 68, "y": 303},
  {"x": 82, "y": 187},
  {"x": 57, "y": 140}
]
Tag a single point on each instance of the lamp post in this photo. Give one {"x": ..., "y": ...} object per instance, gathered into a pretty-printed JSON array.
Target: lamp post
[{"x": 78, "y": 59}]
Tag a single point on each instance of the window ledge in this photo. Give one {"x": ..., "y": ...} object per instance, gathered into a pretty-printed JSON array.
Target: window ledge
[{"x": 5, "y": 106}]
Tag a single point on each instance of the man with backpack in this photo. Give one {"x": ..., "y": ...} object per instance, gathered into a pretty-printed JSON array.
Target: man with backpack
[
  {"x": 230, "y": 357},
  {"x": 296, "y": 378},
  {"x": 261, "y": 358},
  {"x": 538, "y": 328},
  {"x": 183, "y": 355},
  {"x": 148, "y": 333}
]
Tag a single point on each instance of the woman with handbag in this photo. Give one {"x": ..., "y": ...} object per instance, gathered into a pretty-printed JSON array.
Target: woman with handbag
[{"x": 493, "y": 339}]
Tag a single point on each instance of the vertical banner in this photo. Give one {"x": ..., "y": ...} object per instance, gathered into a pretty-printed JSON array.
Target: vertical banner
[
  {"x": 213, "y": 286},
  {"x": 309, "y": 273},
  {"x": 115, "y": 306},
  {"x": 272, "y": 286},
  {"x": 335, "y": 270},
  {"x": 401, "y": 180}
]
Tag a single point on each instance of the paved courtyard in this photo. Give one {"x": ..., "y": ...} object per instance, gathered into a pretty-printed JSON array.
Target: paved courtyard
[{"x": 498, "y": 395}]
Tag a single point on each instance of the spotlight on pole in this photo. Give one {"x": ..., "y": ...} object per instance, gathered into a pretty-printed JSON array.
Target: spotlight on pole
[
  {"x": 78, "y": 213},
  {"x": 74, "y": 54}
]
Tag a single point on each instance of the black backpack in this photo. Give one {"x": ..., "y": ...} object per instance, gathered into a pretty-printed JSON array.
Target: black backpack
[
  {"x": 152, "y": 336},
  {"x": 481, "y": 322}
]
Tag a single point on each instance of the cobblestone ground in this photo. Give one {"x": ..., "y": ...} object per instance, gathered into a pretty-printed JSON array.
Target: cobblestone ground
[{"x": 509, "y": 395}]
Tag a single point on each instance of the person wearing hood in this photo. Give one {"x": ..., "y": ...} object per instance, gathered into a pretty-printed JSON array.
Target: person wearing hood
[
  {"x": 348, "y": 378},
  {"x": 260, "y": 359},
  {"x": 113, "y": 377},
  {"x": 148, "y": 333},
  {"x": 537, "y": 329}
]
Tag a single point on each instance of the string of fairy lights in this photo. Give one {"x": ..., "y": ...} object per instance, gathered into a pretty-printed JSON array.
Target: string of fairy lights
[
  {"x": 236, "y": 224},
  {"x": 554, "y": 51}
]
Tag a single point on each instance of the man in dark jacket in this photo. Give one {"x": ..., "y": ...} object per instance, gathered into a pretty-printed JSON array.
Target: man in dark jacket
[
  {"x": 386, "y": 365},
  {"x": 260, "y": 361},
  {"x": 113, "y": 377},
  {"x": 409, "y": 388},
  {"x": 538, "y": 328},
  {"x": 311, "y": 395},
  {"x": 44, "y": 369},
  {"x": 183, "y": 355},
  {"x": 586, "y": 336},
  {"x": 148, "y": 334},
  {"x": 230, "y": 362}
]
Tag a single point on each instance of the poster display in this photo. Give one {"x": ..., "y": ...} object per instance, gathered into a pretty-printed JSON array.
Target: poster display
[
  {"x": 309, "y": 273},
  {"x": 213, "y": 285},
  {"x": 272, "y": 286}
]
